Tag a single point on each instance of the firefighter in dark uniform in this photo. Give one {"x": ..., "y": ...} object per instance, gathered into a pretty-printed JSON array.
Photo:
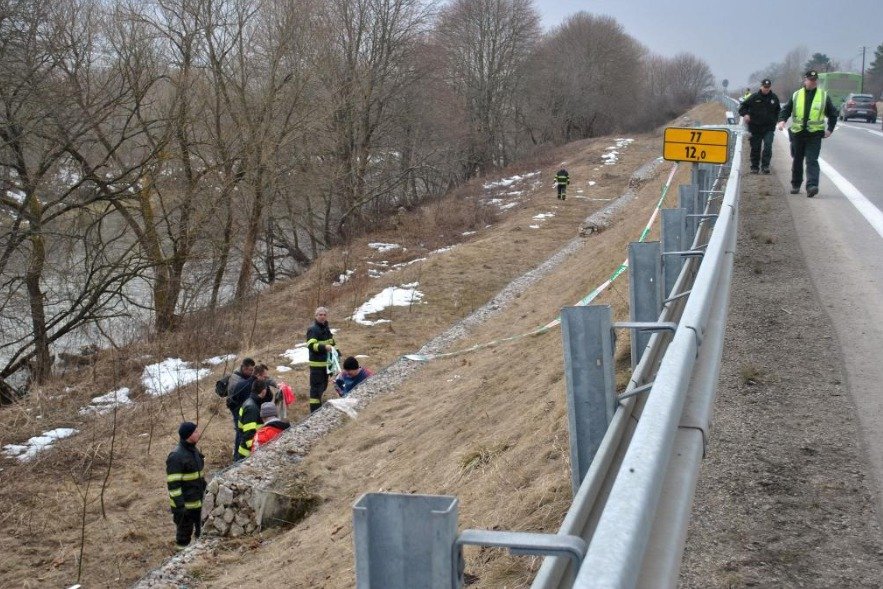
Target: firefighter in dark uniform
[
  {"x": 562, "y": 179},
  {"x": 186, "y": 485},
  {"x": 761, "y": 113},
  {"x": 320, "y": 343},
  {"x": 250, "y": 412},
  {"x": 808, "y": 108}
]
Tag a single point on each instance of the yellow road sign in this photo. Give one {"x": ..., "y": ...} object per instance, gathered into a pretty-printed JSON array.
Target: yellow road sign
[{"x": 707, "y": 146}]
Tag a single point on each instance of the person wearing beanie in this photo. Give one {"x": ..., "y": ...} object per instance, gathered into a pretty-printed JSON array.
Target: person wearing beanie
[
  {"x": 272, "y": 428},
  {"x": 186, "y": 484},
  {"x": 350, "y": 376}
]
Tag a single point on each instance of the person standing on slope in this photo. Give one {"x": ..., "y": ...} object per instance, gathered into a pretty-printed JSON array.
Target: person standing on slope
[
  {"x": 562, "y": 179},
  {"x": 320, "y": 344},
  {"x": 186, "y": 485}
]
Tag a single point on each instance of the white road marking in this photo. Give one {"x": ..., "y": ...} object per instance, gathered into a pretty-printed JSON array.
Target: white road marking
[
  {"x": 872, "y": 214},
  {"x": 865, "y": 129}
]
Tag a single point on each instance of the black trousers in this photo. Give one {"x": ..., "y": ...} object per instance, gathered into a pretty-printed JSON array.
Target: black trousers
[
  {"x": 759, "y": 159},
  {"x": 805, "y": 146},
  {"x": 187, "y": 523},
  {"x": 562, "y": 191},
  {"x": 318, "y": 384}
]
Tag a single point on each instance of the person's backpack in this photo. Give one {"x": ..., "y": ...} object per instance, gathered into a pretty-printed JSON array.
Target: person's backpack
[{"x": 221, "y": 386}]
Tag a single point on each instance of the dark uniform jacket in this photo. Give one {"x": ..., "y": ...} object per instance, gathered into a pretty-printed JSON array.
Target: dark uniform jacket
[
  {"x": 184, "y": 477},
  {"x": 830, "y": 112},
  {"x": 249, "y": 422},
  {"x": 763, "y": 109},
  {"x": 319, "y": 337}
]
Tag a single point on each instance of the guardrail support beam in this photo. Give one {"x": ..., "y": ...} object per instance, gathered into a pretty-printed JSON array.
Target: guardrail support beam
[
  {"x": 405, "y": 541},
  {"x": 674, "y": 231},
  {"x": 645, "y": 290},
  {"x": 590, "y": 379},
  {"x": 688, "y": 195}
]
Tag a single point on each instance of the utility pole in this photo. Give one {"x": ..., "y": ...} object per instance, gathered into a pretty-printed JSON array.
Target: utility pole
[{"x": 863, "y": 70}]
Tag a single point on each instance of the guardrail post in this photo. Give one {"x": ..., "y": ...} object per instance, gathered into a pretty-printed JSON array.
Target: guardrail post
[
  {"x": 688, "y": 201},
  {"x": 706, "y": 178},
  {"x": 406, "y": 541},
  {"x": 674, "y": 229},
  {"x": 590, "y": 378},
  {"x": 645, "y": 290}
]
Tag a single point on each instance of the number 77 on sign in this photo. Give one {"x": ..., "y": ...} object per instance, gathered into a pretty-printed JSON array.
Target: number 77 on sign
[{"x": 707, "y": 146}]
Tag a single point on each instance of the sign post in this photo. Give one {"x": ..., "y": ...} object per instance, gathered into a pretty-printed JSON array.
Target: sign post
[{"x": 704, "y": 146}]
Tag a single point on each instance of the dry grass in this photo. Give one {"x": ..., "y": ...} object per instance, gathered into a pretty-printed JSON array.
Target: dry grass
[{"x": 489, "y": 428}]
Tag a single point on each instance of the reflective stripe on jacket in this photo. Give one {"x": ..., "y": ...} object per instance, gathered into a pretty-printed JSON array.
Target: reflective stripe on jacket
[
  {"x": 249, "y": 422},
  {"x": 815, "y": 122},
  {"x": 319, "y": 336}
]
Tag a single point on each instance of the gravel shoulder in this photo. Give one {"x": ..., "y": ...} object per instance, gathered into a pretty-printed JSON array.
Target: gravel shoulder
[{"x": 784, "y": 497}]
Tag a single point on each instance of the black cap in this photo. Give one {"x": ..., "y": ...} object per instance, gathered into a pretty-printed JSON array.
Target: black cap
[
  {"x": 766, "y": 82},
  {"x": 811, "y": 74},
  {"x": 186, "y": 429}
]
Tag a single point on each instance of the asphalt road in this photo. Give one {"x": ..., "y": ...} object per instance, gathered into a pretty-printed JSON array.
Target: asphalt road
[{"x": 841, "y": 235}]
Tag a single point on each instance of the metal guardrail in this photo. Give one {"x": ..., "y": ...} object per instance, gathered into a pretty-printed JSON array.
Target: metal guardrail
[{"x": 634, "y": 457}]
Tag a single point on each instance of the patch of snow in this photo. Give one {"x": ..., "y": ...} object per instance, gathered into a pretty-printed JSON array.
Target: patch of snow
[
  {"x": 299, "y": 354},
  {"x": 343, "y": 278},
  {"x": 442, "y": 250},
  {"x": 543, "y": 216},
  {"x": 164, "y": 377},
  {"x": 25, "y": 452},
  {"x": 534, "y": 226},
  {"x": 16, "y": 195},
  {"x": 468, "y": 233},
  {"x": 592, "y": 182},
  {"x": 215, "y": 360},
  {"x": 515, "y": 193},
  {"x": 105, "y": 403},
  {"x": 506, "y": 182},
  {"x": 383, "y": 247},
  {"x": 393, "y": 296},
  {"x": 508, "y": 206},
  {"x": 283, "y": 369}
]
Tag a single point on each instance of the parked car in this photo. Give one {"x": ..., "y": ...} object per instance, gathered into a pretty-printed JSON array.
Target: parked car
[{"x": 859, "y": 106}]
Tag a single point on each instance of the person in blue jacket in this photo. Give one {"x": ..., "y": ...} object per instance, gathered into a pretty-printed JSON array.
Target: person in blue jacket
[{"x": 350, "y": 376}]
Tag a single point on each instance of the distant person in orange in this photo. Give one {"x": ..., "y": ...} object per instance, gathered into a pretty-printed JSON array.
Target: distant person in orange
[{"x": 272, "y": 427}]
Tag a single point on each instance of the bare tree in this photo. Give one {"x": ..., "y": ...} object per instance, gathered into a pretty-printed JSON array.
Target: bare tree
[{"x": 487, "y": 43}]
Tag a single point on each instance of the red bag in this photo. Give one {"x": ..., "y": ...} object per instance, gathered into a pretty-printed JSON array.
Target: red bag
[{"x": 287, "y": 394}]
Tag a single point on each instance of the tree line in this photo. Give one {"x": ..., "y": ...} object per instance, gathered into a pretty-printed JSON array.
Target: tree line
[{"x": 169, "y": 155}]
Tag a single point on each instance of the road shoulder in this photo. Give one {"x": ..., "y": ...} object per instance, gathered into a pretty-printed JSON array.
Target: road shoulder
[{"x": 783, "y": 497}]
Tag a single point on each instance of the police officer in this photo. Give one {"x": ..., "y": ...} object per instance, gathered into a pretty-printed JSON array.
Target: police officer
[
  {"x": 186, "y": 485},
  {"x": 320, "y": 343},
  {"x": 808, "y": 108},
  {"x": 760, "y": 111}
]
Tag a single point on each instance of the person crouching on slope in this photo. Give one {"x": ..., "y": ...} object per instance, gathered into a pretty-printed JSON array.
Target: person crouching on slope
[
  {"x": 272, "y": 428},
  {"x": 350, "y": 377}
]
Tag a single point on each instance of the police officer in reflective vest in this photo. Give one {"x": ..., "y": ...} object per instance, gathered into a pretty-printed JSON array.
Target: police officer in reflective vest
[
  {"x": 562, "y": 179},
  {"x": 186, "y": 485},
  {"x": 808, "y": 109},
  {"x": 320, "y": 343}
]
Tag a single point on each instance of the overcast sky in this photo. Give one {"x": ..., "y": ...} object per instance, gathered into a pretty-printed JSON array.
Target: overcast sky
[{"x": 738, "y": 38}]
